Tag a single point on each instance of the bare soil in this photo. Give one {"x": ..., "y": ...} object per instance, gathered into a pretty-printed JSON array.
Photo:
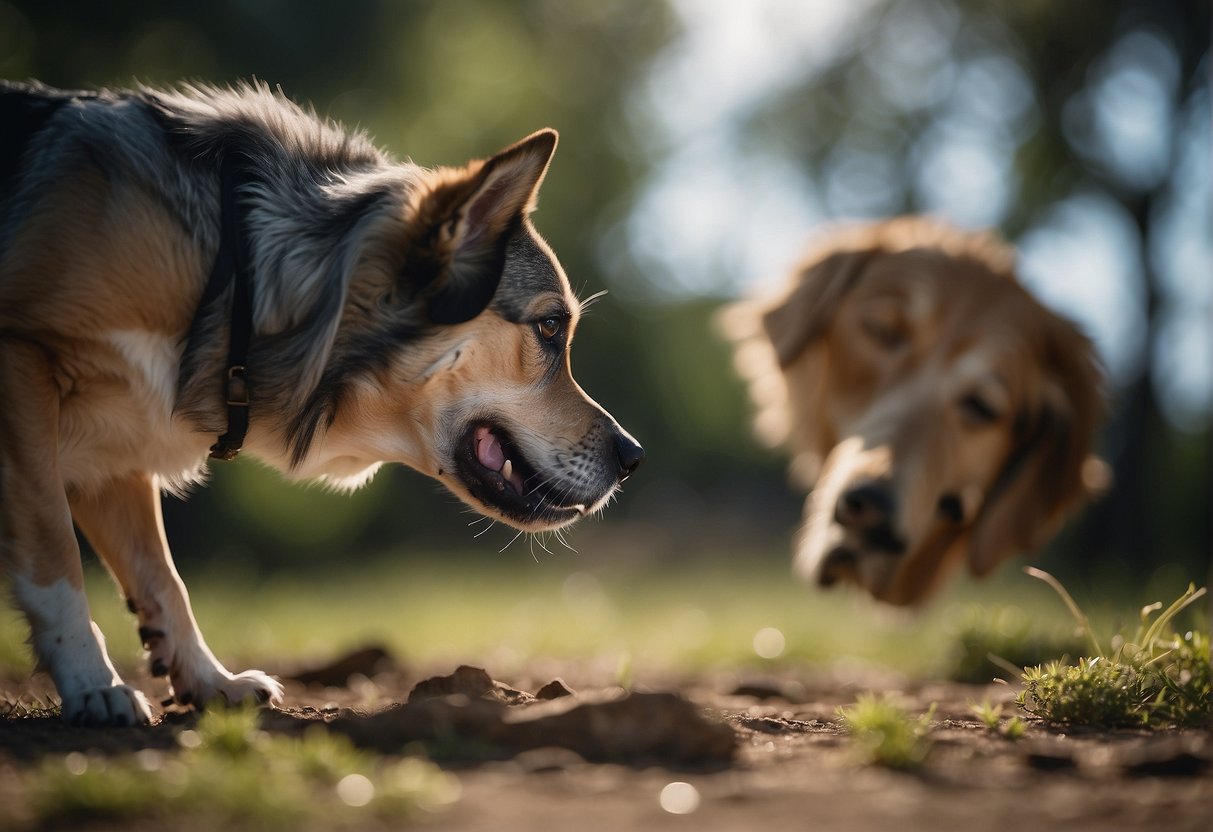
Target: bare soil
[{"x": 761, "y": 750}]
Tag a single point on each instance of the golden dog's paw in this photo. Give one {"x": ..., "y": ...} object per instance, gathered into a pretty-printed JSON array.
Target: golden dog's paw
[{"x": 113, "y": 705}]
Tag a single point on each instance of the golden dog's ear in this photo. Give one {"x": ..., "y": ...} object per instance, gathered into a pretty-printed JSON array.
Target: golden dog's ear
[
  {"x": 468, "y": 217},
  {"x": 804, "y": 313},
  {"x": 1050, "y": 471}
]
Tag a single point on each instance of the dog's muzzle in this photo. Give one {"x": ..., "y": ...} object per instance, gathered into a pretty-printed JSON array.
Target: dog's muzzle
[
  {"x": 864, "y": 529},
  {"x": 493, "y": 468}
]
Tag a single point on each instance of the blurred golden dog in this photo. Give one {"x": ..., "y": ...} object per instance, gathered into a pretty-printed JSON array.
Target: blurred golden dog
[{"x": 934, "y": 407}]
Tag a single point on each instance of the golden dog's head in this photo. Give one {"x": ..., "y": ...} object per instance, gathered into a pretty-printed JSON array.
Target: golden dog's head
[
  {"x": 936, "y": 408},
  {"x": 452, "y": 355}
]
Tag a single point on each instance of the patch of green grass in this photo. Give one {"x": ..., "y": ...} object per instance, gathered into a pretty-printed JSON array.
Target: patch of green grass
[
  {"x": 886, "y": 734},
  {"x": 503, "y": 615},
  {"x": 228, "y": 771},
  {"x": 621, "y": 617},
  {"x": 1155, "y": 678}
]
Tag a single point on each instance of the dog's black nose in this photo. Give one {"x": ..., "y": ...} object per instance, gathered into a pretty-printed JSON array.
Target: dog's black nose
[
  {"x": 951, "y": 507},
  {"x": 630, "y": 454},
  {"x": 868, "y": 510},
  {"x": 864, "y": 506}
]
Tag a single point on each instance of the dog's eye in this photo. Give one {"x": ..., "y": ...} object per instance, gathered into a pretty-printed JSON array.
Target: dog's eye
[
  {"x": 887, "y": 334},
  {"x": 978, "y": 409},
  {"x": 550, "y": 328}
]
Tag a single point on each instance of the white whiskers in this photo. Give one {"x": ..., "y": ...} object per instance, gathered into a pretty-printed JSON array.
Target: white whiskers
[
  {"x": 588, "y": 302},
  {"x": 521, "y": 532}
]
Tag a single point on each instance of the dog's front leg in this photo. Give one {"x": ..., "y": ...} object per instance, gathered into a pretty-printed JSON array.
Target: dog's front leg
[
  {"x": 124, "y": 524},
  {"x": 39, "y": 548}
]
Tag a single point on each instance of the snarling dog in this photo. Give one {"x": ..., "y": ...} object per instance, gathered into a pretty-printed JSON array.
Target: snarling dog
[
  {"x": 937, "y": 411},
  {"x": 180, "y": 264}
]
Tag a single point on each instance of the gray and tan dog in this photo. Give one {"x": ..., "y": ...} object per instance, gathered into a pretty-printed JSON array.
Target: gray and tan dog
[
  {"x": 359, "y": 310},
  {"x": 937, "y": 411}
]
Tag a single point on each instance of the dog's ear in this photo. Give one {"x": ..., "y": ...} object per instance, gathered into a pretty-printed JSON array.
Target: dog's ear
[
  {"x": 804, "y": 313},
  {"x": 1050, "y": 471},
  {"x": 469, "y": 218}
]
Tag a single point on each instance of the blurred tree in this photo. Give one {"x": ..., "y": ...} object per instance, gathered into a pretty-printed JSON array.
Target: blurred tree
[{"x": 1090, "y": 98}]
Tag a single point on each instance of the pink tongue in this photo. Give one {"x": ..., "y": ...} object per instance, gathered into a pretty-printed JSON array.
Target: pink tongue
[{"x": 488, "y": 450}]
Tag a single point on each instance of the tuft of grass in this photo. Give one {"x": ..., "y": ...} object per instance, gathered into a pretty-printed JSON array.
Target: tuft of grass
[
  {"x": 1094, "y": 692},
  {"x": 886, "y": 734},
  {"x": 1014, "y": 728},
  {"x": 991, "y": 716},
  {"x": 229, "y": 771},
  {"x": 625, "y": 673},
  {"x": 1155, "y": 678}
]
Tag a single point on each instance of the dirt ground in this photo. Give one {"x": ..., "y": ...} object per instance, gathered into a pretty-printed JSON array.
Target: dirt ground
[{"x": 759, "y": 751}]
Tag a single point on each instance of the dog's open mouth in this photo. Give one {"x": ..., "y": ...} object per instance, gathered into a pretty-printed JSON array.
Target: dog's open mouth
[{"x": 496, "y": 473}]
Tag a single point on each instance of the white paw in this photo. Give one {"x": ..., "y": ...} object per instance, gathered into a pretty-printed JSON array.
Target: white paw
[
  {"x": 251, "y": 685},
  {"x": 176, "y": 650},
  {"x": 202, "y": 686},
  {"x": 106, "y": 706},
  {"x": 71, "y": 647}
]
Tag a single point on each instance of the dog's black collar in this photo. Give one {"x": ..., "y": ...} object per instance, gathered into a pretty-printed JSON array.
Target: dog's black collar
[{"x": 232, "y": 265}]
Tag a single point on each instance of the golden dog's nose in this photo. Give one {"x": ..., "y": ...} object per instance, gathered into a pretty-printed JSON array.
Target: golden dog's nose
[
  {"x": 867, "y": 511},
  {"x": 863, "y": 507}
]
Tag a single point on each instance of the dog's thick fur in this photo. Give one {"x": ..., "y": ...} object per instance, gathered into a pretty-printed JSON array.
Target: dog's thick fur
[
  {"x": 401, "y": 314},
  {"x": 936, "y": 410}
]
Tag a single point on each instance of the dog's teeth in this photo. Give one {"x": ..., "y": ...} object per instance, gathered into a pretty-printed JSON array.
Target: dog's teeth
[{"x": 507, "y": 469}]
